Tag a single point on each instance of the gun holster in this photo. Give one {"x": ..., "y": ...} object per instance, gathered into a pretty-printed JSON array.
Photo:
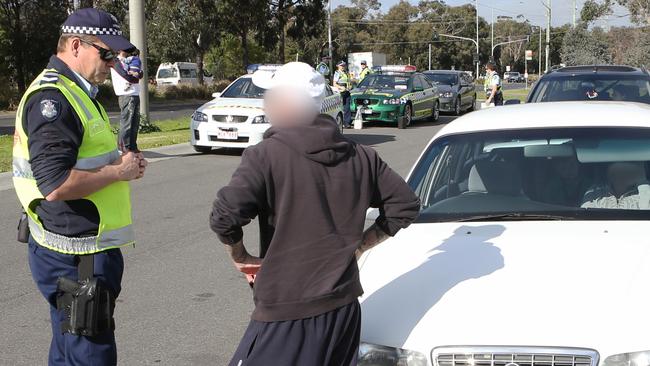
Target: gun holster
[
  {"x": 88, "y": 305},
  {"x": 23, "y": 229}
]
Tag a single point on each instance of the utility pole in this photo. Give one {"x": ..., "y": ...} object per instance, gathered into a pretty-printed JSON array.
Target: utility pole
[
  {"x": 492, "y": 33},
  {"x": 548, "y": 32},
  {"x": 75, "y": 4},
  {"x": 539, "y": 55},
  {"x": 574, "y": 13},
  {"x": 329, "y": 37},
  {"x": 477, "y": 49},
  {"x": 137, "y": 30},
  {"x": 429, "y": 56}
]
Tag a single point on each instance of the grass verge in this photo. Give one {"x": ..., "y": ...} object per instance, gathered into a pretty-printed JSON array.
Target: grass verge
[
  {"x": 520, "y": 94},
  {"x": 174, "y": 131}
]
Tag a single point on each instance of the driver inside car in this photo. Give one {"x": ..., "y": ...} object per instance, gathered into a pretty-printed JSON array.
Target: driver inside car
[{"x": 626, "y": 188}]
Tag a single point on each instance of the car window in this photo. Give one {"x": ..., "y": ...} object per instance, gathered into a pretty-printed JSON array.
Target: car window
[
  {"x": 417, "y": 83},
  {"x": 167, "y": 73},
  {"x": 243, "y": 88},
  {"x": 442, "y": 78},
  {"x": 592, "y": 87},
  {"x": 427, "y": 84},
  {"x": 397, "y": 82},
  {"x": 188, "y": 73},
  {"x": 574, "y": 173}
]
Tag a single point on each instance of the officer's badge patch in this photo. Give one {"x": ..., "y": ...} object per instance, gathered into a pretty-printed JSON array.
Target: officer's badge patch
[{"x": 50, "y": 109}]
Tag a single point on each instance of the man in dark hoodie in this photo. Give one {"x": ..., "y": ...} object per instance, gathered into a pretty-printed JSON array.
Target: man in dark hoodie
[{"x": 310, "y": 187}]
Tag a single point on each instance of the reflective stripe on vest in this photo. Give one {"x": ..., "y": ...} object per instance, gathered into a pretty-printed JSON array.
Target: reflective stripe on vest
[
  {"x": 82, "y": 245},
  {"x": 97, "y": 161}
]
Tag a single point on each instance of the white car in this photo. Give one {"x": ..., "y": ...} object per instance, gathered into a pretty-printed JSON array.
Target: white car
[
  {"x": 235, "y": 118},
  {"x": 530, "y": 248},
  {"x": 180, "y": 73}
]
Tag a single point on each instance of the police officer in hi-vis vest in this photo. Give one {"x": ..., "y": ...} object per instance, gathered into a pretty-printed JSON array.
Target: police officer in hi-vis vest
[{"x": 71, "y": 181}]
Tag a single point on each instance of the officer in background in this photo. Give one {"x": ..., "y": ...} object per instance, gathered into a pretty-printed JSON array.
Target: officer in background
[
  {"x": 71, "y": 181},
  {"x": 492, "y": 85},
  {"x": 342, "y": 83},
  {"x": 365, "y": 71}
]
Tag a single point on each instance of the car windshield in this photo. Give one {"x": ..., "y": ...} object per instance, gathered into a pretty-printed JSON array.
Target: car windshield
[
  {"x": 167, "y": 73},
  {"x": 243, "y": 88},
  {"x": 593, "y": 87},
  {"x": 396, "y": 82},
  {"x": 443, "y": 79},
  {"x": 574, "y": 173}
]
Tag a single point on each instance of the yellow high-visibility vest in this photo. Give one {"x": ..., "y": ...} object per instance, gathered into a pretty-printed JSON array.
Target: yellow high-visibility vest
[{"x": 98, "y": 149}]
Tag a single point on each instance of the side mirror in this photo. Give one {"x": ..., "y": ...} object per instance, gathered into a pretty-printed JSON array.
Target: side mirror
[
  {"x": 512, "y": 102},
  {"x": 216, "y": 95}
]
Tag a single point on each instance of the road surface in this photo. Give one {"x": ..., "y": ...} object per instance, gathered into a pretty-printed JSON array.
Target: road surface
[{"x": 182, "y": 301}]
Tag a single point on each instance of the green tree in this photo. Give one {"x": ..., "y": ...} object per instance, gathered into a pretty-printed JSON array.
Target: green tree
[
  {"x": 584, "y": 47},
  {"x": 179, "y": 30},
  {"x": 243, "y": 19},
  {"x": 31, "y": 30}
]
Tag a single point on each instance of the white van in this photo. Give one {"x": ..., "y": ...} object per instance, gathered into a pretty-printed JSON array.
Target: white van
[{"x": 180, "y": 73}]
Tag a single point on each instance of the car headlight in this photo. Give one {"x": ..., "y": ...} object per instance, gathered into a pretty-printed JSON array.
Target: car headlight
[
  {"x": 447, "y": 94},
  {"x": 260, "y": 119},
  {"x": 374, "y": 355},
  {"x": 628, "y": 359},
  {"x": 392, "y": 101},
  {"x": 200, "y": 116}
]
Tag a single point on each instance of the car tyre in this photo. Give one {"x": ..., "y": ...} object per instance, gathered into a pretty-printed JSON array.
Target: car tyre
[
  {"x": 457, "y": 107},
  {"x": 435, "y": 112},
  {"x": 339, "y": 121},
  {"x": 405, "y": 121},
  {"x": 473, "y": 106},
  {"x": 202, "y": 149}
]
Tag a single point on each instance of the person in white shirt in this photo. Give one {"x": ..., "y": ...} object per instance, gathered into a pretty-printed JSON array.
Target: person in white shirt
[{"x": 125, "y": 76}]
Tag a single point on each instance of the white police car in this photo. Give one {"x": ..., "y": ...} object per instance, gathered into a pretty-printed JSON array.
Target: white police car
[
  {"x": 530, "y": 248},
  {"x": 235, "y": 118}
]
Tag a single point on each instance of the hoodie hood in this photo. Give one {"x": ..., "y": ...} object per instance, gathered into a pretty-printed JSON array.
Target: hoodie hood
[{"x": 320, "y": 141}]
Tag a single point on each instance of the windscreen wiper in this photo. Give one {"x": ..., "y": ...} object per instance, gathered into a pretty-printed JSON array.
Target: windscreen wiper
[{"x": 515, "y": 216}]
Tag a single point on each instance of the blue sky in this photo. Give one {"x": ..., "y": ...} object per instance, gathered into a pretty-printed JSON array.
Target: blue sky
[{"x": 531, "y": 9}]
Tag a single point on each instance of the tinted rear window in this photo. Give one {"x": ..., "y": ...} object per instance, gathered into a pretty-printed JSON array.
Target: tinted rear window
[{"x": 630, "y": 88}]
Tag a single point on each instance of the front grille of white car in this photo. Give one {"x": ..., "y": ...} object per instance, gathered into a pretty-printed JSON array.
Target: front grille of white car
[
  {"x": 513, "y": 356},
  {"x": 229, "y": 118}
]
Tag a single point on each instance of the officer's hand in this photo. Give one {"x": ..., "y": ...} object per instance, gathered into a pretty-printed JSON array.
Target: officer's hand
[
  {"x": 128, "y": 167},
  {"x": 143, "y": 164}
]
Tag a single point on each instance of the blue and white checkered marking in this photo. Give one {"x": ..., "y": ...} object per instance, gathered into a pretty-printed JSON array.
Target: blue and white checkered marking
[{"x": 91, "y": 30}]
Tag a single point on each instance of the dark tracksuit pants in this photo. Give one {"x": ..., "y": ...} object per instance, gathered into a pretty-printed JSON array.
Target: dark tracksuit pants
[
  {"x": 67, "y": 349},
  {"x": 129, "y": 121},
  {"x": 330, "y": 339}
]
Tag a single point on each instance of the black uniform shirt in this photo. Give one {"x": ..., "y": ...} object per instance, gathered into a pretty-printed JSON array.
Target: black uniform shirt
[{"x": 55, "y": 133}]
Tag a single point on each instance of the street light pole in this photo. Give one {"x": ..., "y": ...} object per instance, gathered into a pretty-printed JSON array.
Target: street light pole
[
  {"x": 539, "y": 54},
  {"x": 329, "y": 36},
  {"x": 137, "y": 30},
  {"x": 492, "y": 36},
  {"x": 429, "y": 56},
  {"x": 477, "y": 49},
  {"x": 508, "y": 42},
  {"x": 548, "y": 31}
]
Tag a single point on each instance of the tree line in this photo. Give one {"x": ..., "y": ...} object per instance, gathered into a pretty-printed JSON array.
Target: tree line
[{"x": 224, "y": 36}]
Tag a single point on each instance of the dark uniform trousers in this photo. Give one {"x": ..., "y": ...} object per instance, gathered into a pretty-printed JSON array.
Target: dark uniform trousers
[
  {"x": 67, "y": 349},
  {"x": 330, "y": 339}
]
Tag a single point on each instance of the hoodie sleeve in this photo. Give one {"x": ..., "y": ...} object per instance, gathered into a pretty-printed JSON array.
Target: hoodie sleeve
[
  {"x": 238, "y": 202},
  {"x": 398, "y": 205},
  {"x": 119, "y": 68}
]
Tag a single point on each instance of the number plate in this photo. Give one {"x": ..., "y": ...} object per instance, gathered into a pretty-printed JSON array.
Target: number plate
[
  {"x": 366, "y": 111},
  {"x": 227, "y": 135}
]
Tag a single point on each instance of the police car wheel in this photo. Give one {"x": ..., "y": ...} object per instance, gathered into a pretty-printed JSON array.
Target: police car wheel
[
  {"x": 435, "y": 113},
  {"x": 202, "y": 149},
  {"x": 405, "y": 121},
  {"x": 339, "y": 121}
]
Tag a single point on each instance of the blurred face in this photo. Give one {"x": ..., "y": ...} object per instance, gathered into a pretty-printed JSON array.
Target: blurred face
[
  {"x": 623, "y": 176},
  {"x": 87, "y": 60},
  {"x": 287, "y": 107}
]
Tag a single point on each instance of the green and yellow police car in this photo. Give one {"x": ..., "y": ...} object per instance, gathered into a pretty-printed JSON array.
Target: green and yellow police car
[{"x": 395, "y": 94}]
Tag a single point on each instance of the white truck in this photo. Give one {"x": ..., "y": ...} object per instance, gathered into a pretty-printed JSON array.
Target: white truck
[{"x": 372, "y": 58}]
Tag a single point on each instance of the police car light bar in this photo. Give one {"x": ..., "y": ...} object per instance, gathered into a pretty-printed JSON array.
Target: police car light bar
[
  {"x": 266, "y": 67},
  {"x": 395, "y": 68}
]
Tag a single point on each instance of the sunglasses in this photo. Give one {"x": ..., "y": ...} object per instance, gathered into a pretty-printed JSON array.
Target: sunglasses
[{"x": 104, "y": 53}]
